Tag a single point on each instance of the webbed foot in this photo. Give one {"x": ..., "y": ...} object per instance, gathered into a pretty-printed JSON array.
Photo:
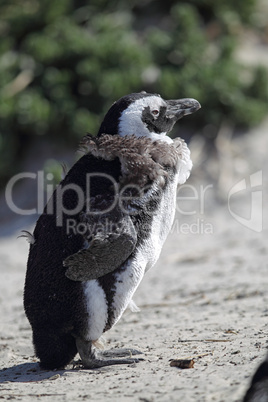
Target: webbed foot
[{"x": 92, "y": 359}]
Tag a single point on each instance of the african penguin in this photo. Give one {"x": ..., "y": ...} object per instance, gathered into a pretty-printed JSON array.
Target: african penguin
[
  {"x": 258, "y": 390},
  {"x": 103, "y": 227}
]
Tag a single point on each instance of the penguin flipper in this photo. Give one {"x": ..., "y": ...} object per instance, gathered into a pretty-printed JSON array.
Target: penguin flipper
[{"x": 106, "y": 252}]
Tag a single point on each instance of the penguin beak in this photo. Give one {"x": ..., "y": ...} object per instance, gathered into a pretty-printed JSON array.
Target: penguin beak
[{"x": 177, "y": 108}]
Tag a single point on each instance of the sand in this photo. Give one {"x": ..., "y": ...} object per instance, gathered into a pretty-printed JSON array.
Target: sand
[{"x": 206, "y": 299}]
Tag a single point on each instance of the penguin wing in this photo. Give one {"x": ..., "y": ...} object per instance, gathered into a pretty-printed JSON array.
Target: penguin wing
[
  {"x": 130, "y": 165},
  {"x": 113, "y": 238}
]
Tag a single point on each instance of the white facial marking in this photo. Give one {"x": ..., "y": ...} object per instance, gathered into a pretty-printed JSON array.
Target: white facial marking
[{"x": 131, "y": 119}]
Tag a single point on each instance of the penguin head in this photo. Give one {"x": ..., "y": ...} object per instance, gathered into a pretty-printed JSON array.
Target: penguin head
[{"x": 146, "y": 115}]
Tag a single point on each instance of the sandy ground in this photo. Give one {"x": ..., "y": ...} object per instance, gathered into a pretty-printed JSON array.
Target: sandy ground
[{"x": 206, "y": 299}]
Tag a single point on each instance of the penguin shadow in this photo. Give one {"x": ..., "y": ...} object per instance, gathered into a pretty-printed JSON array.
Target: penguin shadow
[{"x": 27, "y": 372}]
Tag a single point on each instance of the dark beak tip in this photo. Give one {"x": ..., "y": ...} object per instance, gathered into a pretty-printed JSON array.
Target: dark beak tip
[
  {"x": 188, "y": 107},
  {"x": 196, "y": 106},
  {"x": 192, "y": 105}
]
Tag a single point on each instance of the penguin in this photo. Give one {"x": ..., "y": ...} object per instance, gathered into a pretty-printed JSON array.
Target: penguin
[
  {"x": 258, "y": 389},
  {"x": 103, "y": 228}
]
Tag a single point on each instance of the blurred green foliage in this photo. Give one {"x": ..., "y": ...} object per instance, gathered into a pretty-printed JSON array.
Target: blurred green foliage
[{"x": 63, "y": 63}]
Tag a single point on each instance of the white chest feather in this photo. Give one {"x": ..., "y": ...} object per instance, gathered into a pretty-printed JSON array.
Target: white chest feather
[
  {"x": 96, "y": 308},
  {"x": 145, "y": 256},
  {"x": 148, "y": 252},
  {"x": 127, "y": 281}
]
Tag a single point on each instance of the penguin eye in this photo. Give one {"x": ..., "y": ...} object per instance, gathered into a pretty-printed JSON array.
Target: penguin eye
[{"x": 155, "y": 112}]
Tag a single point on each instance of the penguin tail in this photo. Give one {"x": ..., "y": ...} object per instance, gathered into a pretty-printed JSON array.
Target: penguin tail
[{"x": 54, "y": 352}]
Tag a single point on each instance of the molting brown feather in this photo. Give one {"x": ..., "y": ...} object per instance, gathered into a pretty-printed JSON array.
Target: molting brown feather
[{"x": 142, "y": 159}]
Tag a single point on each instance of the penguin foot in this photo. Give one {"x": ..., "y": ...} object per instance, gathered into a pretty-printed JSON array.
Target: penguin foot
[
  {"x": 120, "y": 352},
  {"x": 98, "y": 363},
  {"x": 92, "y": 359}
]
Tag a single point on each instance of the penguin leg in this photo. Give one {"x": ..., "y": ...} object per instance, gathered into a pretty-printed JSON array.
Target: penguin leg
[{"x": 91, "y": 360}]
